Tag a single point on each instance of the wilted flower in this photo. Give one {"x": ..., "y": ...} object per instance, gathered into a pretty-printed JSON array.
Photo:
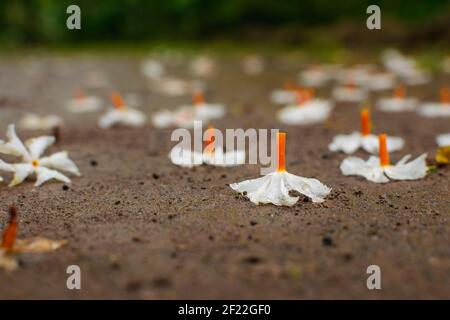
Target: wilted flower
[
  {"x": 274, "y": 187},
  {"x": 379, "y": 169}
]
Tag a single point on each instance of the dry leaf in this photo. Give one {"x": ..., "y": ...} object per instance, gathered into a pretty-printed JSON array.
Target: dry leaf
[{"x": 443, "y": 155}]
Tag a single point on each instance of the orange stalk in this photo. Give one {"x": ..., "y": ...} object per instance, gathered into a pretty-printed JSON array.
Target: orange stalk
[
  {"x": 384, "y": 155},
  {"x": 80, "y": 95},
  {"x": 117, "y": 100},
  {"x": 445, "y": 95},
  {"x": 300, "y": 97},
  {"x": 209, "y": 142},
  {"x": 281, "y": 151},
  {"x": 365, "y": 122},
  {"x": 10, "y": 233},
  {"x": 198, "y": 98},
  {"x": 290, "y": 85},
  {"x": 400, "y": 92}
]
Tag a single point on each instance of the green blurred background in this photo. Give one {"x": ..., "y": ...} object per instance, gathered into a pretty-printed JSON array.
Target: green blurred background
[{"x": 287, "y": 22}]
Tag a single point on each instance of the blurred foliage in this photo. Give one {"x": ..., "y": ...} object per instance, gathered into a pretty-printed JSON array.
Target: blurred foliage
[{"x": 43, "y": 21}]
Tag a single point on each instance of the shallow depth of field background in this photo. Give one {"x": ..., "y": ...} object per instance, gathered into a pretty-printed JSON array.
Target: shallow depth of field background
[{"x": 323, "y": 26}]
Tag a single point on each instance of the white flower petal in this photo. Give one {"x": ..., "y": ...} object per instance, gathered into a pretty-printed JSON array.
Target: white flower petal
[
  {"x": 38, "y": 145},
  {"x": 347, "y": 143},
  {"x": 371, "y": 144},
  {"x": 315, "y": 111},
  {"x": 14, "y": 146},
  {"x": 349, "y": 94},
  {"x": 224, "y": 159},
  {"x": 435, "y": 110},
  {"x": 33, "y": 121},
  {"x": 60, "y": 161},
  {"x": 250, "y": 186},
  {"x": 413, "y": 170},
  {"x": 185, "y": 157},
  {"x": 83, "y": 105},
  {"x": 163, "y": 119},
  {"x": 309, "y": 187},
  {"x": 397, "y": 104},
  {"x": 207, "y": 111},
  {"x": 21, "y": 172},
  {"x": 283, "y": 96},
  {"x": 133, "y": 118},
  {"x": 6, "y": 166},
  {"x": 45, "y": 174},
  {"x": 371, "y": 170},
  {"x": 443, "y": 140}
]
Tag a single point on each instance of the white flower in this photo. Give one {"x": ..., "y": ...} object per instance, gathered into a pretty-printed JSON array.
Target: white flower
[
  {"x": 443, "y": 140},
  {"x": 282, "y": 96},
  {"x": 186, "y": 115},
  {"x": 212, "y": 155},
  {"x": 253, "y": 65},
  {"x": 33, "y": 121},
  {"x": 315, "y": 77},
  {"x": 398, "y": 102},
  {"x": 122, "y": 114},
  {"x": 83, "y": 104},
  {"x": 203, "y": 66},
  {"x": 349, "y": 93},
  {"x": 175, "y": 86},
  {"x": 379, "y": 170},
  {"x": 356, "y": 75},
  {"x": 349, "y": 143},
  {"x": 379, "y": 81},
  {"x": 45, "y": 168},
  {"x": 405, "y": 67},
  {"x": 274, "y": 187},
  {"x": 189, "y": 158},
  {"x": 306, "y": 111},
  {"x": 153, "y": 69},
  {"x": 437, "y": 109}
]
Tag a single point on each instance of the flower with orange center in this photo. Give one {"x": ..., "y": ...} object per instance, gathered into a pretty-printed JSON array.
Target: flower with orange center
[
  {"x": 83, "y": 103},
  {"x": 349, "y": 143},
  {"x": 45, "y": 168},
  {"x": 122, "y": 114},
  {"x": 437, "y": 109},
  {"x": 287, "y": 95},
  {"x": 306, "y": 110},
  {"x": 185, "y": 116},
  {"x": 212, "y": 154},
  {"x": 398, "y": 102},
  {"x": 274, "y": 187},
  {"x": 380, "y": 170},
  {"x": 349, "y": 92}
]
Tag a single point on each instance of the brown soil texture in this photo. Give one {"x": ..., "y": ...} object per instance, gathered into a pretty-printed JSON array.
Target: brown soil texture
[{"x": 141, "y": 227}]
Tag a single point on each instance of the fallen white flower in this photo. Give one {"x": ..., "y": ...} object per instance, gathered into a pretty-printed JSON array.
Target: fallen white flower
[
  {"x": 306, "y": 111},
  {"x": 315, "y": 77},
  {"x": 122, "y": 114},
  {"x": 349, "y": 143},
  {"x": 153, "y": 69},
  {"x": 274, "y": 188},
  {"x": 437, "y": 109},
  {"x": 33, "y": 121},
  {"x": 443, "y": 140},
  {"x": 44, "y": 168},
  {"x": 398, "y": 103},
  {"x": 349, "y": 93},
  {"x": 84, "y": 104},
  {"x": 175, "y": 86},
  {"x": 203, "y": 66},
  {"x": 379, "y": 81},
  {"x": 186, "y": 115},
  {"x": 379, "y": 169},
  {"x": 211, "y": 155}
]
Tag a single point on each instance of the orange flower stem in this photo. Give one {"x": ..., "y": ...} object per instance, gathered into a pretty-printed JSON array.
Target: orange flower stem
[
  {"x": 117, "y": 100},
  {"x": 10, "y": 233},
  {"x": 365, "y": 122},
  {"x": 300, "y": 97},
  {"x": 384, "y": 155},
  {"x": 281, "y": 151},
  {"x": 445, "y": 95},
  {"x": 400, "y": 92},
  {"x": 209, "y": 142},
  {"x": 198, "y": 98}
]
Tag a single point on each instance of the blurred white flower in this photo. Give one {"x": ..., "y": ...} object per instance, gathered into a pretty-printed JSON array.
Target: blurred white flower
[
  {"x": 399, "y": 102},
  {"x": 122, "y": 114},
  {"x": 443, "y": 140},
  {"x": 253, "y": 65},
  {"x": 83, "y": 103},
  {"x": 45, "y": 168},
  {"x": 153, "y": 69},
  {"x": 379, "y": 169},
  {"x": 349, "y": 93},
  {"x": 307, "y": 110},
  {"x": 349, "y": 143},
  {"x": 437, "y": 109},
  {"x": 32, "y": 121},
  {"x": 203, "y": 66}
]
